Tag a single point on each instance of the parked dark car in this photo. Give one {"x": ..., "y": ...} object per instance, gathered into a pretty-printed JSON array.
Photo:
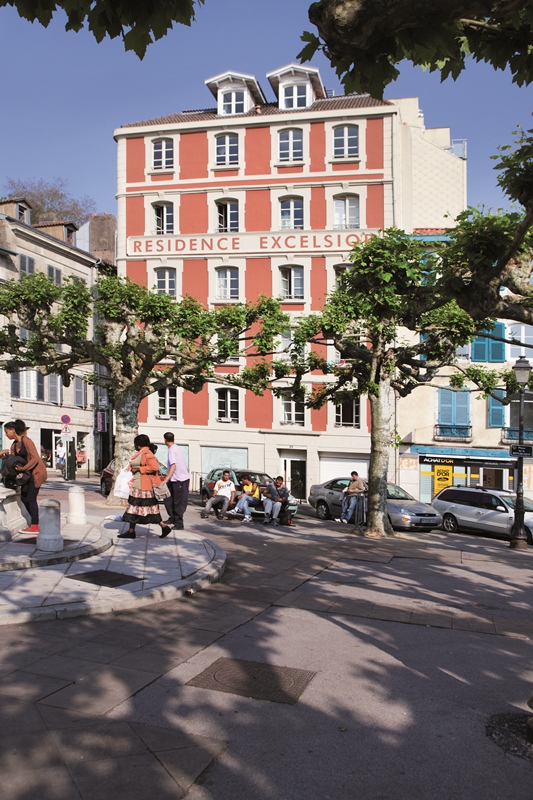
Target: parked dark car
[
  {"x": 106, "y": 478},
  {"x": 405, "y": 513},
  {"x": 236, "y": 475},
  {"x": 486, "y": 511}
]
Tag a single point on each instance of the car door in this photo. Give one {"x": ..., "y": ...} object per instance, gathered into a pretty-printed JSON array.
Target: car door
[
  {"x": 466, "y": 508},
  {"x": 493, "y": 517},
  {"x": 335, "y": 496}
]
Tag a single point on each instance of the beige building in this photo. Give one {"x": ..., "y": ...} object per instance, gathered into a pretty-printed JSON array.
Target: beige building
[{"x": 40, "y": 400}]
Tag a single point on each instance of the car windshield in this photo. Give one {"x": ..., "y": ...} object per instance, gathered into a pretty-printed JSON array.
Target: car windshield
[
  {"x": 511, "y": 500},
  {"x": 397, "y": 493},
  {"x": 255, "y": 477}
]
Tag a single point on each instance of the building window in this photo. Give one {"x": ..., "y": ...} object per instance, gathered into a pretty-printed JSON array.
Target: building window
[
  {"x": 295, "y": 96},
  {"x": 484, "y": 349},
  {"x": 293, "y": 412},
  {"x": 163, "y": 154},
  {"x": 348, "y": 413},
  {"x": 55, "y": 389},
  {"x": 292, "y": 213},
  {"x": 164, "y": 218},
  {"x": 524, "y": 333},
  {"x": 80, "y": 393},
  {"x": 347, "y": 212},
  {"x": 54, "y": 274},
  {"x": 168, "y": 403},
  {"x": 227, "y": 149},
  {"x": 166, "y": 281},
  {"x": 28, "y": 385},
  {"x": 454, "y": 414},
  {"x": 228, "y": 216},
  {"x": 228, "y": 405},
  {"x": 291, "y": 145},
  {"x": 285, "y": 346},
  {"x": 233, "y": 103},
  {"x": 227, "y": 283},
  {"x": 27, "y": 265},
  {"x": 292, "y": 283},
  {"x": 346, "y": 142}
]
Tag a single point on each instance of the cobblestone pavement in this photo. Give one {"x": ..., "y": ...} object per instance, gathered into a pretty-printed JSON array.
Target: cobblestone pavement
[{"x": 415, "y": 642}]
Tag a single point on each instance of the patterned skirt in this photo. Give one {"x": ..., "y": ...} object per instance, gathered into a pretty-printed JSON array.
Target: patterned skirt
[{"x": 142, "y": 508}]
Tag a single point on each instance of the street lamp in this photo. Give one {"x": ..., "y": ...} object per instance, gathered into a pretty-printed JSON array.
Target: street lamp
[{"x": 522, "y": 372}]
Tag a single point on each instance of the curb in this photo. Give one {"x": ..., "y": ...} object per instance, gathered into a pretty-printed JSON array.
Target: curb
[
  {"x": 27, "y": 562},
  {"x": 168, "y": 591}
]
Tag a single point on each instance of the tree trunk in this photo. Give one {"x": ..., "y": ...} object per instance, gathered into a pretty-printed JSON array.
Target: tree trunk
[
  {"x": 127, "y": 411},
  {"x": 381, "y": 415}
]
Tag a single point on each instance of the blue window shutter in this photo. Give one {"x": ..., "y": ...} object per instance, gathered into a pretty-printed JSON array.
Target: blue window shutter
[
  {"x": 462, "y": 408},
  {"x": 497, "y": 349},
  {"x": 15, "y": 384},
  {"x": 496, "y": 411},
  {"x": 480, "y": 349},
  {"x": 423, "y": 337},
  {"x": 446, "y": 407}
]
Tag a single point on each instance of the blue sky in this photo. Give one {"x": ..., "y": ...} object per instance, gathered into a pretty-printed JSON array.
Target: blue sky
[{"x": 63, "y": 94}]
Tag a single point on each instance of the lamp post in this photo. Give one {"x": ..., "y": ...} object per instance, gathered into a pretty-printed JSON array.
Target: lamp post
[{"x": 522, "y": 372}]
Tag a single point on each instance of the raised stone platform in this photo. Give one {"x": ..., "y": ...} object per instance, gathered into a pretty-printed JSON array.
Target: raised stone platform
[{"x": 83, "y": 541}]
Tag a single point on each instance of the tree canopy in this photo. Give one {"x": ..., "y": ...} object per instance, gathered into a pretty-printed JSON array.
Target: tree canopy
[
  {"x": 366, "y": 39},
  {"x": 137, "y": 22},
  {"x": 50, "y": 200}
]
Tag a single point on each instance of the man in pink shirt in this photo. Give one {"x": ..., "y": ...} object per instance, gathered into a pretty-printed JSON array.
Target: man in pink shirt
[{"x": 177, "y": 480}]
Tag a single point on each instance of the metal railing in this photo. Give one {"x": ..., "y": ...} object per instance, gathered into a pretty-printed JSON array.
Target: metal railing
[
  {"x": 510, "y": 435},
  {"x": 455, "y": 432}
]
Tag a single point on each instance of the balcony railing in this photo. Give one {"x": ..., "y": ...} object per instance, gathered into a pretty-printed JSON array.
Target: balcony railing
[
  {"x": 456, "y": 433},
  {"x": 510, "y": 435}
]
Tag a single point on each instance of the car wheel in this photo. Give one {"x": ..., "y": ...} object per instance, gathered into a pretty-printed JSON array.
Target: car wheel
[
  {"x": 322, "y": 510},
  {"x": 205, "y": 497},
  {"x": 103, "y": 488},
  {"x": 529, "y": 536},
  {"x": 449, "y": 523}
]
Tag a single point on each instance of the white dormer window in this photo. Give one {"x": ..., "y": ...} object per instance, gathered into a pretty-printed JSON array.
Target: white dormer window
[
  {"x": 295, "y": 96},
  {"x": 233, "y": 102}
]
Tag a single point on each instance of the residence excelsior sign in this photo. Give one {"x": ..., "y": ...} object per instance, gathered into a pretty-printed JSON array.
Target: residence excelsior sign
[{"x": 248, "y": 243}]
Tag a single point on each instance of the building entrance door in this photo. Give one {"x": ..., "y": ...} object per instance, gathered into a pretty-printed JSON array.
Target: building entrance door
[
  {"x": 295, "y": 476},
  {"x": 492, "y": 478}
]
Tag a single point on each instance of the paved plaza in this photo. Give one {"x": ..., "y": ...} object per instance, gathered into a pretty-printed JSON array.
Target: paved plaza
[{"x": 408, "y": 646}]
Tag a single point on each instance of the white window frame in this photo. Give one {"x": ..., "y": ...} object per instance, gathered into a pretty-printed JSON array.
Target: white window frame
[
  {"x": 347, "y": 212},
  {"x": 167, "y": 400},
  {"x": 292, "y": 412},
  {"x": 292, "y": 282},
  {"x": 164, "y": 218},
  {"x": 227, "y": 216},
  {"x": 291, "y": 92},
  {"x": 163, "y": 155},
  {"x": 343, "y": 149},
  {"x": 228, "y": 405},
  {"x": 231, "y": 100},
  {"x": 523, "y": 333},
  {"x": 355, "y": 412},
  {"x": 291, "y": 214},
  {"x": 291, "y": 146},
  {"x": 227, "y": 283},
  {"x": 166, "y": 281},
  {"x": 227, "y": 150}
]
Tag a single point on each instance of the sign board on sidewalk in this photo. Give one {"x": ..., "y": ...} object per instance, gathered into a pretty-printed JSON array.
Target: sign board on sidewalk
[
  {"x": 67, "y": 438},
  {"x": 525, "y": 450}
]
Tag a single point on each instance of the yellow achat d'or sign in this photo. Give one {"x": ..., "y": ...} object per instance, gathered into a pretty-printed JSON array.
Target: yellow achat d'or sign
[{"x": 443, "y": 476}]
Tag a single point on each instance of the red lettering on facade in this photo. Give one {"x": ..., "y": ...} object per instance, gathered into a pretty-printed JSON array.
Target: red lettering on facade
[
  {"x": 304, "y": 242},
  {"x": 137, "y": 246},
  {"x": 193, "y": 245},
  {"x": 179, "y": 245},
  {"x": 159, "y": 246},
  {"x": 235, "y": 243},
  {"x": 276, "y": 242},
  {"x": 286, "y": 242},
  {"x": 263, "y": 242},
  {"x": 219, "y": 243}
]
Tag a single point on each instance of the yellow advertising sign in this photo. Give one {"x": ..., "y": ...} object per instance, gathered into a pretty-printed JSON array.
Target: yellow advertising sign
[{"x": 443, "y": 476}]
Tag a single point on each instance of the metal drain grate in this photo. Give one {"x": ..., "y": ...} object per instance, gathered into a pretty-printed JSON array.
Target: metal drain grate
[
  {"x": 104, "y": 577},
  {"x": 252, "y": 679}
]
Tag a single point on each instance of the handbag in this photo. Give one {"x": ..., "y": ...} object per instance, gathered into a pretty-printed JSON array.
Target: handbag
[
  {"x": 161, "y": 492},
  {"x": 123, "y": 483}
]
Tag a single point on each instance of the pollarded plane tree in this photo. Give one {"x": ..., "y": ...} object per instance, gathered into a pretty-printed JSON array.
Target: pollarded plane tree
[{"x": 145, "y": 340}]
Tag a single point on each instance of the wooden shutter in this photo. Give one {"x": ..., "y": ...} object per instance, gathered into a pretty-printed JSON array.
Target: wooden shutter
[
  {"x": 479, "y": 349},
  {"x": 496, "y": 411},
  {"x": 40, "y": 386},
  {"x": 497, "y": 349},
  {"x": 15, "y": 384},
  {"x": 446, "y": 407},
  {"x": 462, "y": 408}
]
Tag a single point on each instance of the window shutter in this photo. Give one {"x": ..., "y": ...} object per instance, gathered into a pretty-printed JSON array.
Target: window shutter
[
  {"x": 15, "y": 384},
  {"x": 496, "y": 411},
  {"x": 462, "y": 408},
  {"x": 497, "y": 349},
  {"x": 446, "y": 407},
  {"x": 53, "y": 388},
  {"x": 479, "y": 349},
  {"x": 40, "y": 386},
  {"x": 79, "y": 392},
  {"x": 423, "y": 337}
]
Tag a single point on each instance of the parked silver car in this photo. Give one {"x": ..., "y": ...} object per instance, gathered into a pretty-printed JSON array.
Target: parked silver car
[
  {"x": 405, "y": 513},
  {"x": 488, "y": 511}
]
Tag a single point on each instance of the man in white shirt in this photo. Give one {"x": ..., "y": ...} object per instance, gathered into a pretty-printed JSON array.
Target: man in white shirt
[
  {"x": 223, "y": 495},
  {"x": 61, "y": 454},
  {"x": 177, "y": 480}
]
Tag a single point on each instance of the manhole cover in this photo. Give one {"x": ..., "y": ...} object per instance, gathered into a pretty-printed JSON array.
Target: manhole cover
[
  {"x": 509, "y": 731},
  {"x": 252, "y": 679},
  {"x": 104, "y": 577}
]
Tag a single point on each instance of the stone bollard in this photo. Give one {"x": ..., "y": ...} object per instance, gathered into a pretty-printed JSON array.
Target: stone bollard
[
  {"x": 76, "y": 506},
  {"x": 49, "y": 537}
]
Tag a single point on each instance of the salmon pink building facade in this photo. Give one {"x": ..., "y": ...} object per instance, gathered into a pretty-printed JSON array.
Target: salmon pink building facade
[{"x": 253, "y": 197}]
